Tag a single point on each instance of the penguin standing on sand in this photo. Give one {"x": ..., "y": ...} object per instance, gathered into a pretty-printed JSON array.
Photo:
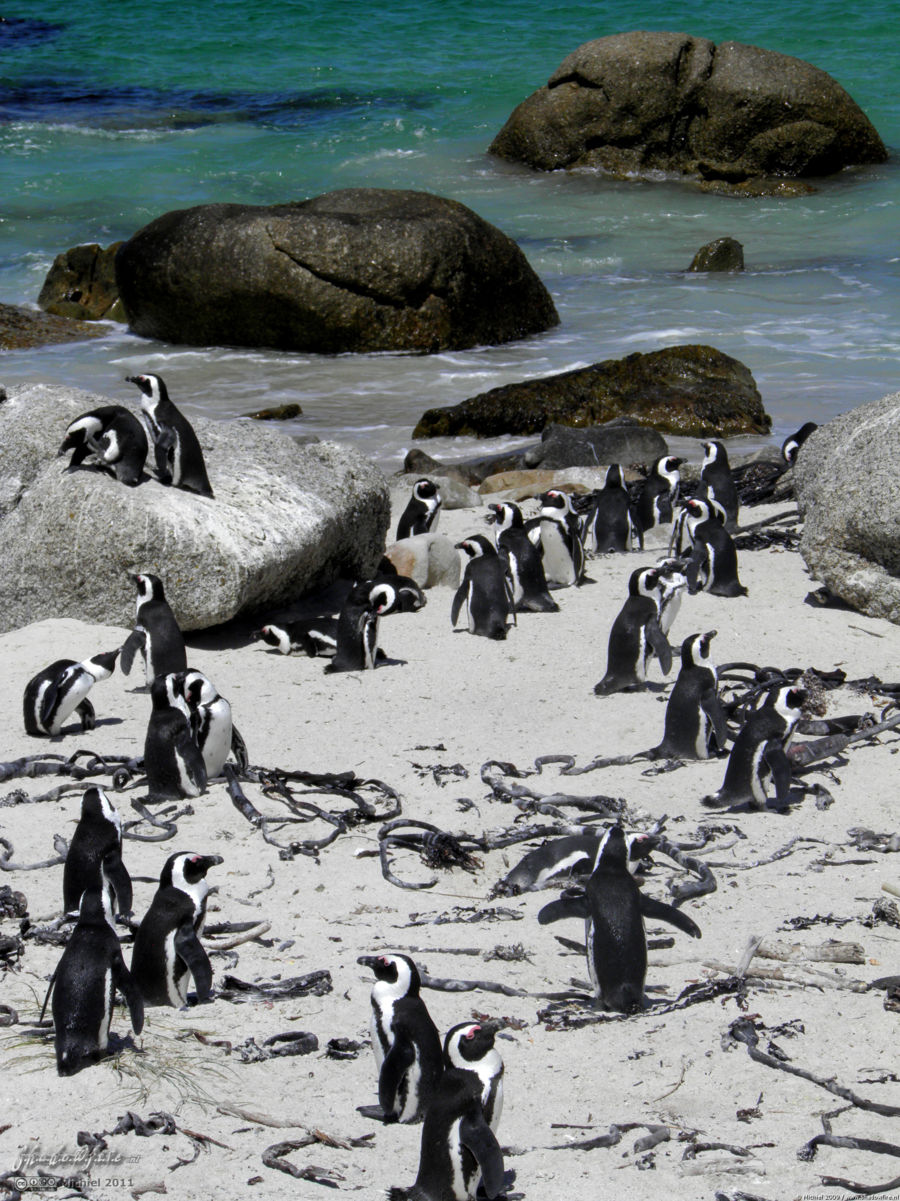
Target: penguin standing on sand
[
  {"x": 610, "y": 524},
  {"x": 94, "y": 858},
  {"x": 156, "y": 634},
  {"x": 84, "y": 985},
  {"x": 526, "y": 571},
  {"x": 179, "y": 459},
  {"x": 759, "y": 755},
  {"x": 636, "y": 636},
  {"x": 469, "y": 1046},
  {"x": 613, "y": 908},
  {"x": 713, "y": 564},
  {"x": 458, "y": 1148},
  {"x": 115, "y": 438},
  {"x": 716, "y": 477},
  {"x": 172, "y": 760},
  {"x": 60, "y": 690},
  {"x": 695, "y": 720},
  {"x": 656, "y": 503},
  {"x": 486, "y": 589},
  {"x": 560, "y": 540},
  {"x": 211, "y": 724},
  {"x": 357, "y": 627},
  {"x": 421, "y": 514},
  {"x": 167, "y": 947},
  {"x": 405, "y": 1040}
]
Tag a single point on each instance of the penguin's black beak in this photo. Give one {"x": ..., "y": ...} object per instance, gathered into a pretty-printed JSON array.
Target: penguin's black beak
[
  {"x": 367, "y": 960},
  {"x": 205, "y": 862}
]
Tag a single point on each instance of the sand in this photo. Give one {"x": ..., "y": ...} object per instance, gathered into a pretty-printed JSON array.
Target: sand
[{"x": 451, "y": 700}]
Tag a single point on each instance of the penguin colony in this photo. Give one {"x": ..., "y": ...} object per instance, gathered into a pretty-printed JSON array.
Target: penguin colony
[{"x": 454, "y": 1085}]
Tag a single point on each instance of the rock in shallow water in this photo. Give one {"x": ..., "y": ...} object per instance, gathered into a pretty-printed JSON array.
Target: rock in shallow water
[{"x": 286, "y": 519}]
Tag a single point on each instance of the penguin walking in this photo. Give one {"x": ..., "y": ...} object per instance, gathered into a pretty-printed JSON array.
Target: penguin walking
[
  {"x": 422, "y": 512},
  {"x": 526, "y": 571},
  {"x": 610, "y": 523},
  {"x": 613, "y": 908},
  {"x": 94, "y": 858},
  {"x": 179, "y": 459},
  {"x": 715, "y": 475},
  {"x": 636, "y": 636},
  {"x": 759, "y": 755},
  {"x": 486, "y": 589},
  {"x": 211, "y": 724},
  {"x": 167, "y": 947},
  {"x": 560, "y": 540},
  {"x": 790, "y": 448},
  {"x": 114, "y": 437},
  {"x": 713, "y": 564},
  {"x": 458, "y": 1147},
  {"x": 173, "y": 762},
  {"x": 659, "y": 495},
  {"x": 695, "y": 720},
  {"x": 311, "y": 635},
  {"x": 156, "y": 634},
  {"x": 60, "y": 690},
  {"x": 357, "y": 627},
  {"x": 407, "y": 1046},
  {"x": 84, "y": 985}
]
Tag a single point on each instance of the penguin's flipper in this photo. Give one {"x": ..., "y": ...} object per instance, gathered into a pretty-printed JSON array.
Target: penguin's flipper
[
  {"x": 698, "y": 563},
  {"x": 458, "y": 598},
  {"x": 476, "y": 1136},
  {"x": 712, "y": 707},
  {"x": 189, "y": 947},
  {"x": 116, "y": 873},
  {"x": 49, "y": 992},
  {"x": 164, "y": 452},
  {"x": 668, "y": 913},
  {"x": 572, "y": 903},
  {"x": 48, "y": 702},
  {"x": 136, "y": 641},
  {"x": 397, "y": 1063},
  {"x": 239, "y": 750},
  {"x": 780, "y": 767},
  {"x": 660, "y": 645},
  {"x": 88, "y": 717},
  {"x": 124, "y": 982}
]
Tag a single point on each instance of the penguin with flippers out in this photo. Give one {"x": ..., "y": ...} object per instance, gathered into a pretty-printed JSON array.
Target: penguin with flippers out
[{"x": 156, "y": 634}]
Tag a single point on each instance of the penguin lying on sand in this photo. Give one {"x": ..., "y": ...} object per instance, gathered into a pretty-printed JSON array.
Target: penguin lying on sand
[
  {"x": 60, "y": 690},
  {"x": 84, "y": 985},
  {"x": 613, "y": 908},
  {"x": 311, "y": 635}
]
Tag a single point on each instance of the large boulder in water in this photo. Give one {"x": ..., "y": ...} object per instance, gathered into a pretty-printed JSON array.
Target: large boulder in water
[
  {"x": 637, "y": 103},
  {"x": 848, "y": 488},
  {"x": 82, "y": 284},
  {"x": 286, "y": 519},
  {"x": 364, "y": 269},
  {"x": 696, "y": 391}
]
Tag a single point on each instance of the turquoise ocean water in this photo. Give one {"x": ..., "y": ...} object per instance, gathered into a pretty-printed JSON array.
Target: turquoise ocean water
[{"x": 111, "y": 114}]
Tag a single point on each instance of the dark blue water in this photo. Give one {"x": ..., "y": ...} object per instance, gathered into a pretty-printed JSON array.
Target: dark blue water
[{"x": 111, "y": 114}]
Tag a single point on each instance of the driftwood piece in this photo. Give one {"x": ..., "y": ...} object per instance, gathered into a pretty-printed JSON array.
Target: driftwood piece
[{"x": 830, "y": 951}]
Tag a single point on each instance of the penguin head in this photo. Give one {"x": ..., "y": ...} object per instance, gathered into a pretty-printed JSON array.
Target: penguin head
[
  {"x": 150, "y": 587},
  {"x": 644, "y": 582},
  {"x": 695, "y": 649},
  {"x": 103, "y": 665},
  {"x": 790, "y": 448},
  {"x": 383, "y": 598},
  {"x": 467, "y": 1043},
  {"x": 167, "y": 692},
  {"x": 197, "y": 688},
  {"x": 273, "y": 635},
  {"x": 185, "y": 870},
  {"x": 80, "y": 431},
  {"x": 697, "y": 510},
  {"x": 615, "y": 477},
  {"x": 151, "y": 386},
  {"x": 426, "y": 491},
  {"x": 96, "y": 806},
  {"x": 667, "y": 468},
  {"x": 95, "y": 908},
  {"x": 613, "y": 851},
  {"x": 506, "y": 515},
  {"x": 555, "y": 503},
  {"x": 715, "y": 452},
  {"x": 788, "y": 701},
  {"x": 396, "y": 970},
  {"x": 475, "y": 546}
]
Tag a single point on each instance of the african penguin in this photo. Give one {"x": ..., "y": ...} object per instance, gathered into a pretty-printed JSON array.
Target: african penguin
[
  {"x": 486, "y": 589},
  {"x": 715, "y": 475},
  {"x": 610, "y": 524},
  {"x": 673, "y": 584},
  {"x": 84, "y": 985},
  {"x": 156, "y": 633},
  {"x": 458, "y": 1147},
  {"x": 636, "y": 636},
  {"x": 421, "y": 513},
  {"x": 758, "y": 757},
  {"x": 179, "y": 458},
  {"x": 114, "y": 436},
  {"x": 173, "y": 762},
  {"x": 526, "y": 571},
  {"x": 405, "y": 1040},
  {"x": 357, "y": 628},
  {"x": 713, "y": 564},
  {"x": 659, "y": 494},
  {"x": 469, "y": 1046},
  {"x": 790, "y": 448},
  {"x": 311, "y": 635},
  {"x": 568, "y": 855},
  {"x": 211, "y": 725},
  {"x": 61, "y": 690},
  {"x": 560, "y": 540},
  {"x": 94, "y": 858},
  {"x": 167, "y": 947},
  {"x": 613, "y": 908},
  {"x": 695, "y": 720}
]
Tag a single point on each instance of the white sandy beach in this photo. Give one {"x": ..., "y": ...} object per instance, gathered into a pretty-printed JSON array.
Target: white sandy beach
[{"x": 460, "y": 700}]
